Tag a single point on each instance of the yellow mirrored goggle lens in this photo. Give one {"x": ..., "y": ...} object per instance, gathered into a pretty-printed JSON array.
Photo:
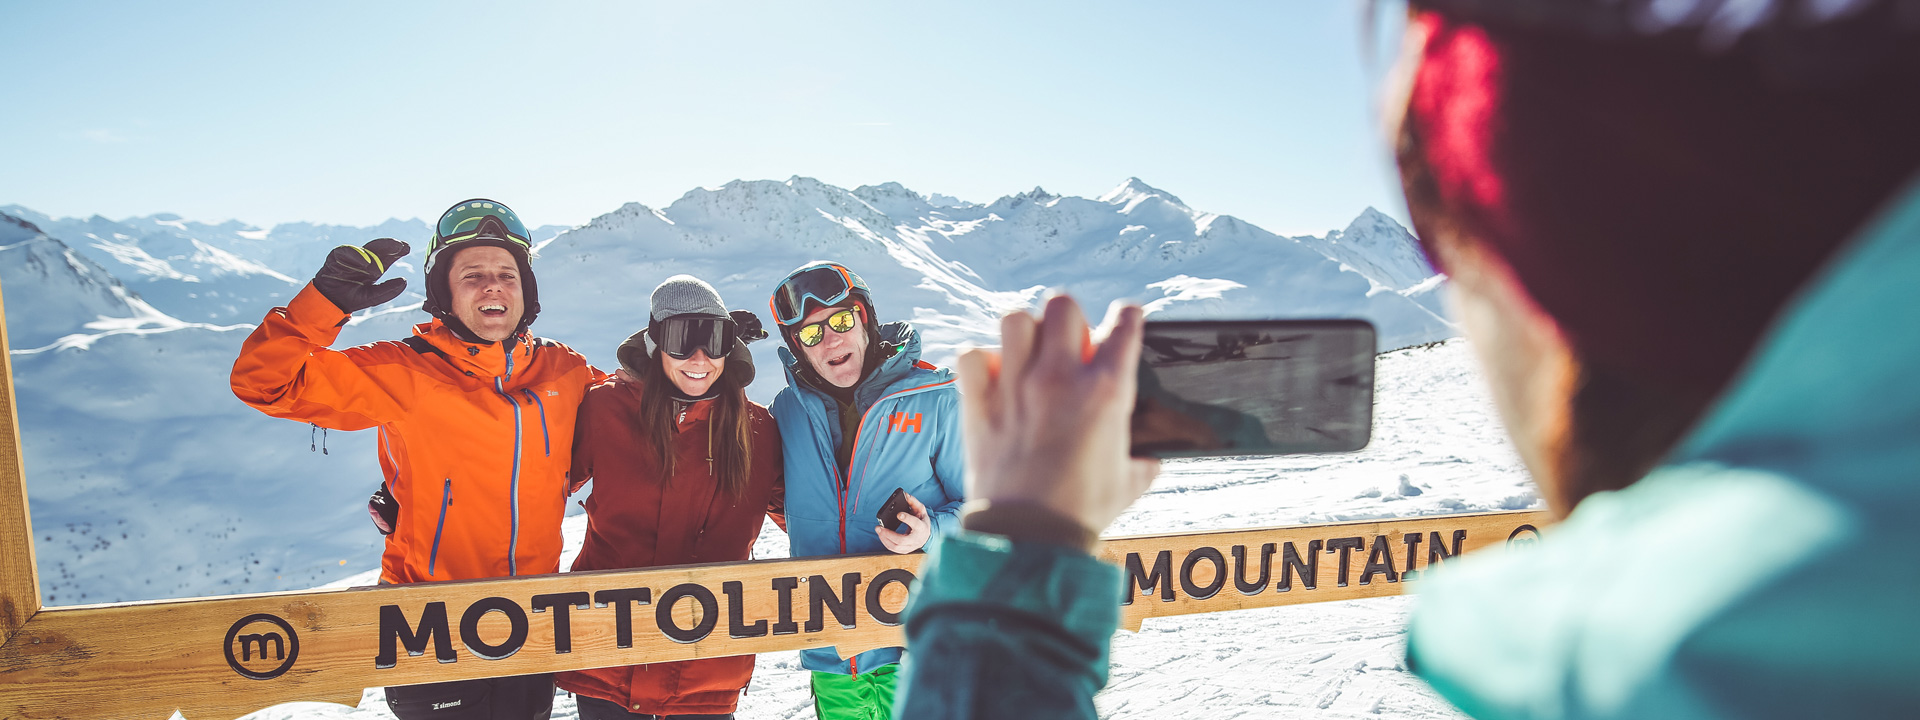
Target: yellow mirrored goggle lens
[
  {"x": 811, "y": 335},
  {"x": 841, "y": 321}
]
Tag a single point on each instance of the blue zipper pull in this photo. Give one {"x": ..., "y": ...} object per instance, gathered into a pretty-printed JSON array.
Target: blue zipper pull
[
  {"x": 545, "y": 438},
  {"x": 446, "y": 500}
]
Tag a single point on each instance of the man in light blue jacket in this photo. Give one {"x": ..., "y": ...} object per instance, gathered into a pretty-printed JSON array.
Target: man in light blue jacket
[{"x": 861, "y": 417}]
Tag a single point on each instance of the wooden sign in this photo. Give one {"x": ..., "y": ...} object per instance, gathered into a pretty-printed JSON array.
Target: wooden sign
[
  {"x": 227, "y": 656},
  {"x": 222, "y": 657},
  {"x": 1218, "y": 571}
]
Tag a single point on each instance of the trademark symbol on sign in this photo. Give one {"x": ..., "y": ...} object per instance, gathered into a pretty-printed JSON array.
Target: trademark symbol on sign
[{"x": 262, "y": 646}]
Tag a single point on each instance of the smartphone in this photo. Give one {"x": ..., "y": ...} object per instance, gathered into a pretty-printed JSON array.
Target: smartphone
[
  {"x": 889, "y": 515},
  {"x": 1253, "y": 387}
]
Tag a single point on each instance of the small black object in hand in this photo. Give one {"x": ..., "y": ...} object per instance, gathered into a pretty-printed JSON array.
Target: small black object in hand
[{"x": 889, "y": 514}]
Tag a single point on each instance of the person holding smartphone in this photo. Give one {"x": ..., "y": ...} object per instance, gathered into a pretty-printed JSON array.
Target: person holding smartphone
[
  {"x": 861, "y": 417},
  {"x": 475, "y": 418},
  {"x": 1684, "y": 245},
  {"x": 684, "y": 467}
]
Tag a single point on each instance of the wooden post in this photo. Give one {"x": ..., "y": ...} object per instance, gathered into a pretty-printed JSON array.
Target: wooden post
[{"x": 19, "y": 577}]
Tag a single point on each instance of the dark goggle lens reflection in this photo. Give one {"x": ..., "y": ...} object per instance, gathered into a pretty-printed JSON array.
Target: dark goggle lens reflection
[{"x": 680, "y": 337}]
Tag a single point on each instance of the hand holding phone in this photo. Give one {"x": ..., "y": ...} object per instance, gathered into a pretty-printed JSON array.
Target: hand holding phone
[
  {"x": 890, "y": 511},
  {"x": 1046, "y": 425},
  {"x": 904, "y": 525}
]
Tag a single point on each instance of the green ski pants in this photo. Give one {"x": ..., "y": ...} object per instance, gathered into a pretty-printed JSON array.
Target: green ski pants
[{"x": 867, "y": 696}]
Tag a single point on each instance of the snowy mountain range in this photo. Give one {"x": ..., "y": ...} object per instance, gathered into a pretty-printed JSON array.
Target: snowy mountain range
[{"x": 149, "y": 480}]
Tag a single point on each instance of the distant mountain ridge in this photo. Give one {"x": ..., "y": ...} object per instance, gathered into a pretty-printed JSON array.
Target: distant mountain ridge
[{"x": 149, "y": 480}]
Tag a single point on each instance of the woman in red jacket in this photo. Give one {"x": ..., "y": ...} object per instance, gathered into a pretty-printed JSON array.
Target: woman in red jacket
[{"x": 684, "y": 466}]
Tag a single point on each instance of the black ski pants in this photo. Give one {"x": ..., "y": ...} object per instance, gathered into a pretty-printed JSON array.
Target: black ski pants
[{"x": 521, "y": 697}]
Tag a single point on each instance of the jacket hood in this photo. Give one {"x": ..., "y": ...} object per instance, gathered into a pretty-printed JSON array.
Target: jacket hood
[{"x": 1756, "y": 572}]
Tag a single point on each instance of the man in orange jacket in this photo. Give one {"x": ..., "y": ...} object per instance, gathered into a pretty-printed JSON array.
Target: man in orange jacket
[{"x": 476, "y": 418}]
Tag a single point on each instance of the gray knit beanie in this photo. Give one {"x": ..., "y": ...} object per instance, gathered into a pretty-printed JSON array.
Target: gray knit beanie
[{"x": 685, "y": 295}]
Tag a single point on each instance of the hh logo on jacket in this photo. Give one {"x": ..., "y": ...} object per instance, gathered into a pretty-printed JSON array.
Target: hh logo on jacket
[{"x": 903, "y": 422}]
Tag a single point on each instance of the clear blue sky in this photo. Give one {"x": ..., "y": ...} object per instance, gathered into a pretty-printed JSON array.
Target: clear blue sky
[{"x": 356, "y": 112}]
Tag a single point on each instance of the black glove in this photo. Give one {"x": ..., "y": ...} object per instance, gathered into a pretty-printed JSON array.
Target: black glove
[
  {"x": 384, "y": 509},
  {"x": 348, "y": 275},
  {"x": 748, "y": 326}
]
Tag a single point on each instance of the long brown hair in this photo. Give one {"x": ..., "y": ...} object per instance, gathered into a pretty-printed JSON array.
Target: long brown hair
[{"x": 729, "y": 428}]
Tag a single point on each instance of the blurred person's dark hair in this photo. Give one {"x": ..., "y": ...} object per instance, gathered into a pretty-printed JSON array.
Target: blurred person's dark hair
[{"x": 1659, "y": 176}]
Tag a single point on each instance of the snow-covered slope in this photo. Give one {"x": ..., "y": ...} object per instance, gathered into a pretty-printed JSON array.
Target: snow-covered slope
[
  {"x": 124, "y": 332},
  {"x": 953, "y": 268},
  {"x": 147, "y": 479},
  {"x": 70, "y": 291},
  {"x": 1143, "y": 243},
  {"x": 171, "y": 266},
  {"x": 1381, "y": 249},
  {"x": 1377, "y": 247},
  {"x": 224, "y": 273}
]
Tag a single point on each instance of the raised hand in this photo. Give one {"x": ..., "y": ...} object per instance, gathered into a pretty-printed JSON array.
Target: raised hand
[
  {"x": 1047, "y": 416},
  {"x": 347, "y": 278}
]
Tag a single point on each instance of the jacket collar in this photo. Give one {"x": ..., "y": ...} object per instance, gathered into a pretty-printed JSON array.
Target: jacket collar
[
  {"x": 1828, "y": 397},
  {"x": 484, "y": 360},
  {"x": 690, "y": 413},
  {"x": 685, "y": 415}
]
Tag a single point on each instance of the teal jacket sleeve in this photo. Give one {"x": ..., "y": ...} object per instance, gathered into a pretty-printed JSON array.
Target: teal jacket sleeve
[
  {"x": 950, "y": 469},
  {"x": 1007, "y": 630}
]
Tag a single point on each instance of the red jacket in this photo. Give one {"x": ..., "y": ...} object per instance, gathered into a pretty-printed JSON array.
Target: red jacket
[
  {"x": 637, "y": 519},
  {"x": 475, "y": 440}
]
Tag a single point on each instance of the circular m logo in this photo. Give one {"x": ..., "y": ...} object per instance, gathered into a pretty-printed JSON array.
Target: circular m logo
[
  {"x": 1523, "y": 536},
  {"x": 262, "y": 647}
]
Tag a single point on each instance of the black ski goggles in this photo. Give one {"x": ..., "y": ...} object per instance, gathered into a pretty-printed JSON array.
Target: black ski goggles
[
  {"x": 681, "y": 335},
  {"x": 825, "y": 284}
]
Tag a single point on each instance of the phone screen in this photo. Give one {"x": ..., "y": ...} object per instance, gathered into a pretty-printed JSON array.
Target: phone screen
[{"x": 1254, "y": 387}]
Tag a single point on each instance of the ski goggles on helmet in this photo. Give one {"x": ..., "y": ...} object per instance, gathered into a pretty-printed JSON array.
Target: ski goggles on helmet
[
  {"x": 827, "y": 285},
  {"x": 681, "y": 335},
  {"x": 479, "y": 218},
  {"x": 812, "y": 333}
]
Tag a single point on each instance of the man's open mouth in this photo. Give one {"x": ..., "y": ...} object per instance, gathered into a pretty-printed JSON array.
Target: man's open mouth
[
  {"x": 842, "y": 360},
  {"x": 493, "y": 310}
]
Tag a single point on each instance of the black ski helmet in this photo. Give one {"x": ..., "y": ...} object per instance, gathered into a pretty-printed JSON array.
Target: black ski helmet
[{"x": 474, "y": 223}]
